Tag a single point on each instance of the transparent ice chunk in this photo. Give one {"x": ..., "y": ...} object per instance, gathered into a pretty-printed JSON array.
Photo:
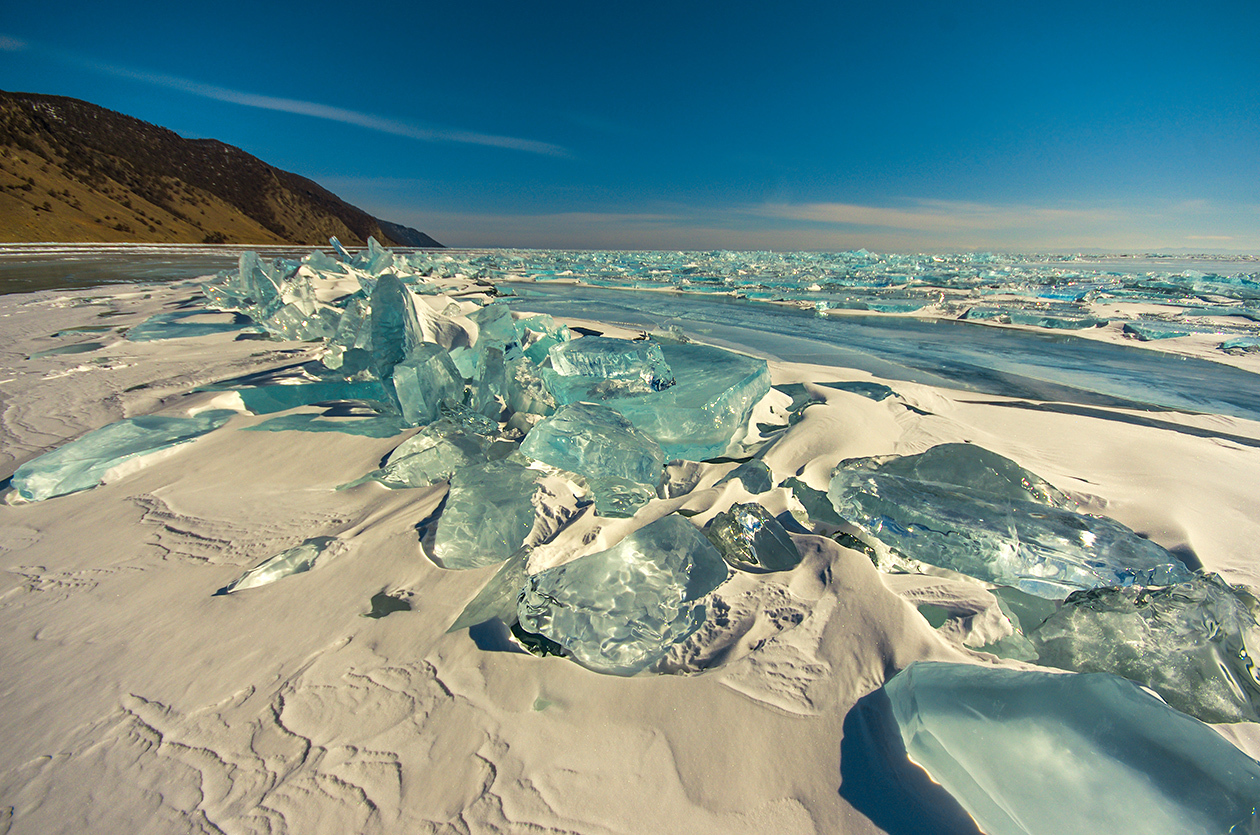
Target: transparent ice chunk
[
  {"x": 599, "y": 444},
  {"x": 425, "y": 381},
  {"x": 592, "y": 360},
  {"x": 434, "y": 454},
  {"x": 489, "y": 512},
  {"x": 82, "y": 463},
  {"x": 619, "y": 611},
  {"x": 750, "y": 538},
  {"x": 1033, "y": 752},
  {"x": 961, "y": 507},
  {"x": 699, "y": 416},
  {"x": 1193, "y": 643},
  {"x": 754, "y": 475},
  {"x": 499, "y": 597},
  {"x": 296, "y": 560}
]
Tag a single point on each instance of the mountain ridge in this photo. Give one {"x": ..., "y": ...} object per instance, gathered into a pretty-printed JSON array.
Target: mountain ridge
[{"x": 72, "y": 171}]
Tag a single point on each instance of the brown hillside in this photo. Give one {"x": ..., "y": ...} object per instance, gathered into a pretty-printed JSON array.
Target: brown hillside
[{"x": 72, "y": 171}]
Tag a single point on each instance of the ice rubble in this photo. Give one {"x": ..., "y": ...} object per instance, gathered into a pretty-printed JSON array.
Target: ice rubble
[
  {"x": 961, "y": 507},
  {"x": 83, "y": 463},
  {"x": 619, "y": 611},
  {"x": 1028, "y": 752}
]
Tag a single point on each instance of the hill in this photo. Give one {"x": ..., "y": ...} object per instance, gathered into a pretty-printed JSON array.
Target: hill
[{"x": 73, "y": 171}]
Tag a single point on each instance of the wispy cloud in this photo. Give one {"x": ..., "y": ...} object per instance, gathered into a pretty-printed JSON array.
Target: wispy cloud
[
  {"x": 936, "y": 216},
  {"x": 314, "y": 110}
]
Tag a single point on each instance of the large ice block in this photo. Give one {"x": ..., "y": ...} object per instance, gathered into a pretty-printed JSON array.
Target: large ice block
[
  {"x": 699, "y": 416},
  {"x": 619, "y": 611},
  {"x": 1194, "y": 643},
  {"x": 82, "y": 463},
  {"x": 600, "y": 366},
  {"x": 750, "y": 538},
  {"x": 424, "y": 381},
  {"x": 488, "y": 514},
  {"x": 296, "y": 560},
  {"x": 964, "y": 508},
  {"x": 1027, "y": 753},
  {"x": 599, "y": 444},
  {"x": 395, "y": 324}
]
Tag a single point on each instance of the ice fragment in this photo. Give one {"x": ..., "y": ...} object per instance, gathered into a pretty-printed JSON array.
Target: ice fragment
[
  {"x": 488, "y": 514},
  {"x": 750, "y": 538},
  {"x": 619, "y": 611},
  {"x": 296, "y": 560}
]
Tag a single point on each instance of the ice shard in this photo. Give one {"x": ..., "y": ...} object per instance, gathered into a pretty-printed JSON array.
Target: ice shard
[
  {"x": 499, "y": 597},
  {"x": 751, "y": 539},
  {"x": 599, "y": 444},
  {"x": 1193, "y": 643},
  {"x": 489, "y": 512},
  {"x": 296, "y": 560},
  {"x": 424, "y": 381},
  {"x": 619, "y": 611},
  {"x": 394, "y": 322},
  {"x": 754, "y": 475},
  {"x": 82, "y": 463},
  {"x": 964, "y": 508},
  {"x": 1027, "y": 753}
]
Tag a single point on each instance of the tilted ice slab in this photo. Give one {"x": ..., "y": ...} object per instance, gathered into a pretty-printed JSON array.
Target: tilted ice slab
[
  {"x": 433, "y": 454},
  {"x": 964, "y": 508},
  {"x": 620, "y": 610},
  {"x": 1027, "y": 753},
  {"x": 1193, "y": 643},
  {"x": 489, "y": 513},
  {"x": 82, "y": 463},
  {"x": 621, "y": 463},
  {"x": 698, "y": 417},
  {"x": 296, "y": 560}
]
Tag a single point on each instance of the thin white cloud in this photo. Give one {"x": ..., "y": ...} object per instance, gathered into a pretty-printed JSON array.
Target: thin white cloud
[
  {"x": 314, "y": 110},
  {"x": 935, "y": 216},
  {"x": 8, "y": 44}
]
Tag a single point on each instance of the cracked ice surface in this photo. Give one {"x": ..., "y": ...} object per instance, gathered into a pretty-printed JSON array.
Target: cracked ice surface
[
  {"x": 619, "y": 611},
  {"x": 961, "y": 507},
  {"x": 1036, "y": 752}
]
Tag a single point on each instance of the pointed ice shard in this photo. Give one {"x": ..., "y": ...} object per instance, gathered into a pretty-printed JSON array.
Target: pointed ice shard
[
  {"x": 296, "y": 560},
  {"x": 82, "y": 463},
  {"x": 424, "y": 381},
  {"x": 754, "y": 475},
  {"x": 499, "y": 597},
  {"x": 599, "y": 444},
  {"x": 1027, "y": 753},
  {"x": 750, "y": 538},
  {"x": 489, "y": 512},
  {"x": 395, "y": 325},
  {"x": 1194, "y": 643},
  {"x": 961, "y": 507},
  {"x": 619, "y": 611}
]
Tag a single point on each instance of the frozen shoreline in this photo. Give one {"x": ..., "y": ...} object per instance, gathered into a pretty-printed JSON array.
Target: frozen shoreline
[{"x": 136, "y": 701}]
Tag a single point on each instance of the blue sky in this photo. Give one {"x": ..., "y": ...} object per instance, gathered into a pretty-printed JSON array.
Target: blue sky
[{"x": 894, "y": 126}]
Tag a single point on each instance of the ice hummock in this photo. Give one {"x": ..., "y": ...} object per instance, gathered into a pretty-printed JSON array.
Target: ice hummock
[
  {"x": 962, "y": 507},
  {"x": 1193, "y": 643},
  {"x": 619, "y": 611},
  {"x": 1029, "y": 752},
  {"x": 82, "y": 463},
  {"x": 621, "y": 464}
]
